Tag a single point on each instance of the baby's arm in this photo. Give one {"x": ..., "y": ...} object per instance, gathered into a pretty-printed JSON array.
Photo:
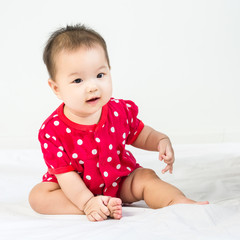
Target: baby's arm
[
  {"x": 75, "y": 189},
  {"x": 152, "y": 140}
]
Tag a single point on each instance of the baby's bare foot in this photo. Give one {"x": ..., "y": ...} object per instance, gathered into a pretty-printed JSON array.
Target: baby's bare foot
[
  {"x": 202, "y": 203},
  {"x": 115, "y": 208},
  {"x": 185, "y": 200}
]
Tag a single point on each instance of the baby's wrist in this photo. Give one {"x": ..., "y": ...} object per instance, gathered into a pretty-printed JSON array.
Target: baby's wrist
[
  {"x": 85, "y": 202},
  {"x": 166, "y": 138}
]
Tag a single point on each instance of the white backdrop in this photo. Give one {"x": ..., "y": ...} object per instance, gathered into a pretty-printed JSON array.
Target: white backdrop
[{"x": 178, "y": 60}]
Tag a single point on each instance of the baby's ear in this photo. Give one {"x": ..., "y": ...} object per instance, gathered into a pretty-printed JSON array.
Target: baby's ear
[{"x": 54, "y": 86}]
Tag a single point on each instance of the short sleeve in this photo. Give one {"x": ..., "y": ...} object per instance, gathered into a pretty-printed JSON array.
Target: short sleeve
[
  {"x": 135, "y": 125},
  {"x": 54, "y": 154}
]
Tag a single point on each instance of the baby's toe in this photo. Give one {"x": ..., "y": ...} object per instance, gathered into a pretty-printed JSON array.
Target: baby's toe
[{"x": 115, "y": 208}]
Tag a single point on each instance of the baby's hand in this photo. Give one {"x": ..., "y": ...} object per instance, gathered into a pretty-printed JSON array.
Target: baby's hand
[
  {"x": 96, "y": 208},
  {"x": 166, "y": 154}
]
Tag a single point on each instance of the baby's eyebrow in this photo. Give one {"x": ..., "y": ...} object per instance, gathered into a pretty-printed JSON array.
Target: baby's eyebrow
[
  {"x": 102, "y": 67},
  {"x": 78, "y": 73},
  {"x": 73, "y": 74}
]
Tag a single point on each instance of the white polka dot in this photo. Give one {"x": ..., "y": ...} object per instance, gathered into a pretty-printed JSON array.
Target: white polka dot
[
  {"x": 128, "y": 105},
  {"x": 124, "y": 135},
  {"x": 47, "y": 135},
  {"x": 79, "y": 141},
  {"x": 81, "y": 162},
  {"x": 132, "y": 120},
  {"x": 118, "y": 152},
  {"x": 110, "y": 146},
  {"x": 97, "y": 140},
  {"x": 55, "y": 115},
  {"x": 61, "y": 148},
  {"x": 56, "y": 123},
  {"x": 118, "y": 166},
  {"x": 68, "y": 130},
  {"x": 114, "y": 184},
  {"x": 74, "y": 155},
  {"x": 49, "y": 179},
  {"x": 128, "y": 153},
  {"x": 116, "y": 114},
  {"x": 94, "y": 151},
  {"x": 124, "y": 142},
  {"x": 45, "y": 145},
  {"x": 135, "y": 133},
  {"x": 88, "y": 177},
  {"x": 59, "y": 154},
  {"x": 105, "y": 189},
  {"x": 98, "y": 164},
  {"x": 112, "y": 129},
  {"x": 103, "y": 125},
  {"x": 105, "y": 174},
  {"x": 101, "y": 185},
  {"x": 54, "y": 138},
  {"x": 129, "y": 169},
  {"x": 51, "y": 166},
  {"x": 43, "y": 126},
  {"x": 109, "y": 159},
  {"x": 127, "y": 121}
]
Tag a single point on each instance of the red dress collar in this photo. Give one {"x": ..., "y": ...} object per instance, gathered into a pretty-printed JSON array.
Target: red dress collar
[{"x": 81, "y": 127}]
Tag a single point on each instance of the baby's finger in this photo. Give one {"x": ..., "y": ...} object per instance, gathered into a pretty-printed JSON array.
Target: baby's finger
[
  {"x": 170, "y": 168},
  {"x": 161, "y": 152},
  {"x": 105, "y": 212},
  {"x": 90, "y": 218},
  {"x": 161, "y": 156},
  {"x": 167, "y": 168},
  {"x": 105, "y": 200},
  {"x": 97, "y": 216},
  {"x": 102, "y": 214},
  {"x": 170, "y": 153},
  {"x": 169, "y": 162},
  {"x": 167, "y": 159}
]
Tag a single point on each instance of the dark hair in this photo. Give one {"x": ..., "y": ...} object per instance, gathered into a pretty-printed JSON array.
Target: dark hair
[{"x": 70, "y": 38}]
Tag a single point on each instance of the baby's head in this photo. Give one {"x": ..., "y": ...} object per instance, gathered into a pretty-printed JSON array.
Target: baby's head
[
  {"x": 77, "y": 61},
  {"x": 69, "y": 39}
]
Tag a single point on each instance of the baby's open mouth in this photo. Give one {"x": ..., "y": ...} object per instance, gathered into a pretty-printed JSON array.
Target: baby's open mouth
[{"x": 93, "y": 99}]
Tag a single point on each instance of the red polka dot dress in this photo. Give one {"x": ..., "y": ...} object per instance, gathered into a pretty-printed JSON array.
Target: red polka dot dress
[{"x": 96, "y": 152}]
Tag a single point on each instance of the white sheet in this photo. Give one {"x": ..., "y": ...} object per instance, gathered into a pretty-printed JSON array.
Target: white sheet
[{"x": 202, "y": 172}]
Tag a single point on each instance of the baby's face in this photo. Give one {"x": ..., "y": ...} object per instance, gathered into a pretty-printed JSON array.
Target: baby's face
[{"x": 83, "y": 81}]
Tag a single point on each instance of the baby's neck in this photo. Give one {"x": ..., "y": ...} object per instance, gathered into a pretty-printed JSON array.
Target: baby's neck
[{"x": 83, "y": 120}]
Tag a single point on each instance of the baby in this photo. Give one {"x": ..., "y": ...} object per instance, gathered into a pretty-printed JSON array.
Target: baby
[{"x": 83, "y": 141}]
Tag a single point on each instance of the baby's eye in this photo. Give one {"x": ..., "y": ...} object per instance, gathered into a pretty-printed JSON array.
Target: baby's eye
[
  {"x": 78, "y": 80},
  {"x": 100, "y": 75}
]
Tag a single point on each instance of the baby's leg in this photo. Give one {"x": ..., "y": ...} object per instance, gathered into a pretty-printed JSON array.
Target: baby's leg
[
  {"x": 144, "y": 184},
  {"x": 48, "y": 198}
]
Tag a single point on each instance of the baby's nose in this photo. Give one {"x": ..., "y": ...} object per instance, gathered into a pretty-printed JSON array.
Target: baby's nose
[{"x": 92, "y": 87}]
